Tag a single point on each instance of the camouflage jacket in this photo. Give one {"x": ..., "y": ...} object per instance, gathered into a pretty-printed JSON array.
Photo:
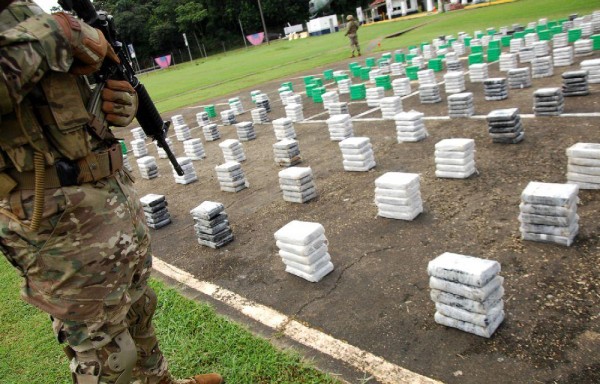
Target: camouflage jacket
[
  {"x": 352, "y": 28},
  {"x": 39, "y": 109}
]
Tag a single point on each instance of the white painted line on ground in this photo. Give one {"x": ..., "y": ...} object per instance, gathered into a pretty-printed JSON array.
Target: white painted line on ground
[{"x": 379, "y": 368}]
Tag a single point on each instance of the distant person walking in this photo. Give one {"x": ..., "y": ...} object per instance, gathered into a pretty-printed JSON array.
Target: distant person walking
[{"x": 351, "y": 29}]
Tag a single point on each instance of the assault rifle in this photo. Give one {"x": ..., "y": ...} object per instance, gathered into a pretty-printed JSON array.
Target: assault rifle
[{"x": 147, "y": 115}]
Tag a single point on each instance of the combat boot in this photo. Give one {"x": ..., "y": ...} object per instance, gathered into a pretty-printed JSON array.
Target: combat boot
[{"x": 209, "y": 378}]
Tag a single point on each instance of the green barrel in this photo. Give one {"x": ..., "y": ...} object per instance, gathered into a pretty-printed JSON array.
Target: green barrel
[
  {"x": 309, "y": 89},
  {"x": 411, "y": 72},
  {"x": 475, "y": 58},
  {"x": 595, "y": 42},
  {"x": 337, "y": 78},
  {"x": 358, "y": 92},
  {"x": 370, "y": 61},
  {"x": 435, "y": 64},
  {"x": 495, "y": 44},
  {"x": 210, "y": 110},
  {"x": 556, "y": 30},
  {"x": 505, "y": 40},
  {"x": 288, "y": 84},
  {"x": 544, "y": 35},
  {"x": 574, "y": 34},
  {"x": 356, "y": 71},
  {"x": 399, "y": 57},
  {"x": 316, "y": 94},
  {"x": 308, "y": 79},
  {"x": 477, "y": 49},
  {"x": 317, "y": 81},
  {"x": 364, "y": 73},
  {"x": 328, "y": 74},
  {"x": 493, "y": 54},
  {"x": 383, "y": 81}
]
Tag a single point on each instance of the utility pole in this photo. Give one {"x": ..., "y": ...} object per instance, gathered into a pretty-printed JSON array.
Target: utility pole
[
  {"x": 188, "y": 46},
  {"x": 263, "y": 22},
  {"x": 243, "y": 35}
]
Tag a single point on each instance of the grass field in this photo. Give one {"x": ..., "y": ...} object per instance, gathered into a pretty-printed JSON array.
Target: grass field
[
  {"x": 196, "y": 82},
  {"x": 192, "y": 336}
]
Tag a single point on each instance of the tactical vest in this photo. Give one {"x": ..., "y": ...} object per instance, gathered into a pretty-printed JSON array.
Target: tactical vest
[{"x": 52, "y": 119}]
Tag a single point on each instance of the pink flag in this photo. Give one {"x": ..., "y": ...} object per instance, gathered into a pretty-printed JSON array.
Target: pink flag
[
  {"x": 163, "y": 61},
  {"x": 256, "y": 39}
]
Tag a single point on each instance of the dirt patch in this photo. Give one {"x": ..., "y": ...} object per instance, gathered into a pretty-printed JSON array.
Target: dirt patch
[{"x": 377, "y": 298}]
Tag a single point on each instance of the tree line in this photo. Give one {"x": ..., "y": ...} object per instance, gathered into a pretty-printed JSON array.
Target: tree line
[{"x": 155, "y": 27}]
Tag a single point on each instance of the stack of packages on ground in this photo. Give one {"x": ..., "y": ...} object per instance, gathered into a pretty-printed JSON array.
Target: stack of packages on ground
[
  {"x": 148, "y": 167},
  {"x": 262, "y": 101},
  {"x": 340, "y": 127},
  {"x": 138, "y": 133},
  {"x": 526, "y": 55},
  {"x": 575, "y": 83},
  {"x": 189, "y": 173},
  {"x": 563, "y": 57},
  {"x": 232, "y": 150},
  {"x": 583, "y": 47},
  {"x": 297, "y": 184},
  {"x": 548, "y": 102},
  {"x": 202, "y": 119},
  {"x": 374, "y": 95},
  {"x": 303, "y": 249},
  {"x": 583, "y": 168},
  {"x": 542, "y": 67},
  {"x": 519, "y": 78},
  {"x": 593, "y": 69},
  {"x": 236, "y": 105},
  {"x": 358, "y": 154},
  {"x": 162, "y": 154},
  {"x": 401, "y": 86},
  {"x": 330, "y": 97},
  {"x": 194, "y": 149},
  {"x": 287, "y": 152},
  {"x": 549, "y": 213},
  {"x": 429, "y": 93},
  {"x": 478, "y": 72},
  {"x": 461, "y": 105},
  {"x": 410, "y": 127},
  {"x": 211, "y": 132},
  {"x": 211, "y": 224},
  {"x": 245, "y": 131},
  {"x": 508, "y": 61},
  {"x": 155, "y": 210},
  {"x": 495, "y": 88},
  {"x": 138, "y": 146},
  {"x": 294, "y": 112},
  {"x": 505, "y": 126},
  {"x": 344, "y": 86},
  {"x": 182, "y": 132},
  {"x": 259, "y": 116},
  {"x": 455, "y": 82},
  {"x": 390, "y": 106},
  {"x": 228, "y": 117},
  {"x": 467, "y": 292},
  {"x": 455, "y": 158},
  {"x": 340, "y": 108},
  {"x": 231, "y": 177},
  {"x": 398, "y": 195},
  {"x": 284, "y": 128}
]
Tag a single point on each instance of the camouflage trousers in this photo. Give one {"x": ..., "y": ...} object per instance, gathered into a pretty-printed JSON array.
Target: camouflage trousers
[
  {"x": 354, "y": 43},
  {"x": 87, "y": 266}
]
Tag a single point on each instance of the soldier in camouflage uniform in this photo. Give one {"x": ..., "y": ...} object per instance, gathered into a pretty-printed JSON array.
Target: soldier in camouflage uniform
[
  {"x": 70, "y": 221},
  {"x": 351, "y": 29}
]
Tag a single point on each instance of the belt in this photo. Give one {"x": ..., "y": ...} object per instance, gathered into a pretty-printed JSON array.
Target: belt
[{"x": 94, "y": 167}]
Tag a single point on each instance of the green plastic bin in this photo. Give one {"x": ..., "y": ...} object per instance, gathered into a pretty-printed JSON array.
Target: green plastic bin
[
  {"x": 210, "y": 110},
  {"x": 383, "y": 81},
  {"x": 358, "y": 92},
  {"x": 411, "y": 72},
  {"x": 328, "y": 74},
  {"x": 435, "y": 64},
  {"x": 475, "y": 58},
  {"x": 574, "y": 34},
  {"x": 493, "y": 54}
]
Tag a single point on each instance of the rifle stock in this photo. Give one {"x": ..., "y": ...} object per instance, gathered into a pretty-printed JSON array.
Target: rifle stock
[{"x": 147, "y": 114}]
